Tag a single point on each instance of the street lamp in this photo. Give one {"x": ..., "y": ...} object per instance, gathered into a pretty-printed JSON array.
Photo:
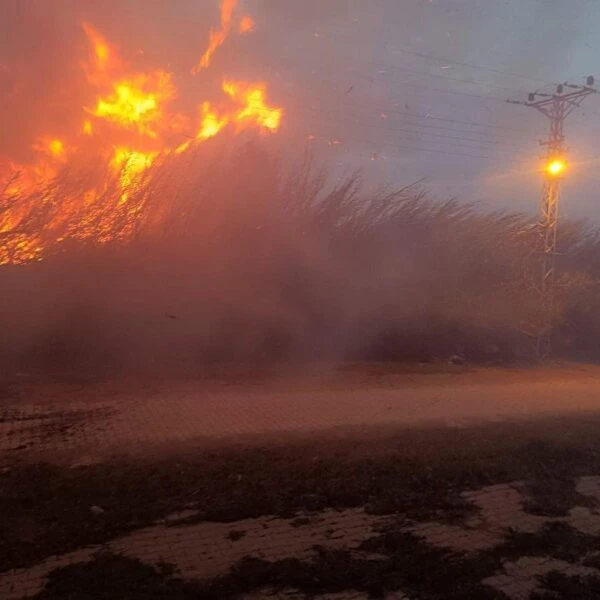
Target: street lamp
[{"x": 556, "y": 167}]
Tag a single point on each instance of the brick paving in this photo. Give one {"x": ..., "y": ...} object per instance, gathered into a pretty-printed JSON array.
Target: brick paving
[
  {"x": 206, "y": 550},
  {"x": 88, "y": 424},
  {"x": 519, "y": 579}
]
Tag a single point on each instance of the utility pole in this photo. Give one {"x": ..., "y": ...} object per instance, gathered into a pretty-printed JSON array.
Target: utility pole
[{"x": 556, "y": 108}]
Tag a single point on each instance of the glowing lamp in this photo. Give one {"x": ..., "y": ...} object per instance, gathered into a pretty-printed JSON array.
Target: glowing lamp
[{"x": 555, "y": 167}]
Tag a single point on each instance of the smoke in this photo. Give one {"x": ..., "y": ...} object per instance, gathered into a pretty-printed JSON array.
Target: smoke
[{"x": 239, "y": 259}]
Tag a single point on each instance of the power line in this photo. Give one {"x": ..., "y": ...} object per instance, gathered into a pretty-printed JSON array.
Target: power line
[
  {"x": 417, "y": 129},
  {"x": 439, "y": 135},
  {"x": 449, "y": 151},
  {"x": 466, "y": 81},
  {"x": 457, "y": 79},
  {"x": 451, "y": 120},
  {"x": 428, "y": 87},
  {"x": 433, "y": 118},
  {"x": 425, "y": 145},
  {"x": 563, "y": 27},
  {"x": 427, "y": 116},
  {"x": 370, "y": 120},
  {"x": 438, "y": 151},
  {"x": 470, "y": 65}
]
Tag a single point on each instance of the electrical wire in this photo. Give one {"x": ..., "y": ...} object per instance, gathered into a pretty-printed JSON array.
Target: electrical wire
[
  {"x": 470, "y": 65},
  {"x": 438, "y": 135}
]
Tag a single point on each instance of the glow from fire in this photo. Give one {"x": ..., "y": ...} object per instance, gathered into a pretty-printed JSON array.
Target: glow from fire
[
  {"x": 130, "y": 164},
  {"x": 101, "y": 48},
  {"x": 211, "y": 123},
  {"x": 246, "y": 25},
  {"x": 104, "y": 57},
  {"x": 92, "y": 184},
  {"x": 50, "y": 146},
  {"x": 217, "y": 37},
  {"x": 138, "y": 102},
  {"x": 255, "y": 110}
]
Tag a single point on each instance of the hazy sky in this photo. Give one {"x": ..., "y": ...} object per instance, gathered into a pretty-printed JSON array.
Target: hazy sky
[{"x": 410, "y": 88}]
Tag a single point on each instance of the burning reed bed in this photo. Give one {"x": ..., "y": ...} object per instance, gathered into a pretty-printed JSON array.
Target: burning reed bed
[{"x": 224, "y": 255}]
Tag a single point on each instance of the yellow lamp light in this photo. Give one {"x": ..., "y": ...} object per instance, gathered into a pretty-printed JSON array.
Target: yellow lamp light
[{"x": 555, "y": 167}]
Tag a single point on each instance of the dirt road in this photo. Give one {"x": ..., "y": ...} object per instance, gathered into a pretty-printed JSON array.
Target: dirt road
[{"x": 90, "y": 421}]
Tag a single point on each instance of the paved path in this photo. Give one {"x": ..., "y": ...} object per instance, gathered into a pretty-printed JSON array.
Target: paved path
[
  {"x": 83, "y": 424},
  {"x": 95, "y": 420},
  {"x": 205, "y": 550}
]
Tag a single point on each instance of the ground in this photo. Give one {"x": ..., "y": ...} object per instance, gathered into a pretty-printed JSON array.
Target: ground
[{"x": 380, "y": 482}]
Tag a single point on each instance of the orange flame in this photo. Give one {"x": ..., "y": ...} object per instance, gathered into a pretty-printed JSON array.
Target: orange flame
[
  {"x": 133, "y": 130},
  {"x": 130, "y": 164},
  {"x": 255, "y": 109},
  {"x": 102, "y": 50},
  {"x": 137, "y": 102},
  {"x": 104, "y": 56},
  {"x": 217, "y": 37},
  {"x": 211, "y": 123},
  {"x": 53, "y": 147}
]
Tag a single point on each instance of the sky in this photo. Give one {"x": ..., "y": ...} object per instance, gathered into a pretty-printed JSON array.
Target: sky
[{"x": 403, "y": 90}]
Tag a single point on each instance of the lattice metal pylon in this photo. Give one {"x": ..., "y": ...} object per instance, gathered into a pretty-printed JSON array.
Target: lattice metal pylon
[{"x": 556, "y": 108}]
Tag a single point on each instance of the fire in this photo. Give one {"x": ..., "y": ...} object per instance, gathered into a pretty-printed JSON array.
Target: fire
[
  {"x": 93, "y": 183},
  {"x": 56, "y": 147},
  {"x": 131, "y": 161},
  {"x": 102, "y": 50},
  {"x": 130, "y": 164},
  {"x": 104, "y": 56},
  {"x": 255, "y": 109},
  {"x": 138, "y": 102},
  {"x": 211, "y": 123},
  {"x": 217, "y": 37},
  {"x": 53, "y": 147},
  {"x": 251, "y": 109}
]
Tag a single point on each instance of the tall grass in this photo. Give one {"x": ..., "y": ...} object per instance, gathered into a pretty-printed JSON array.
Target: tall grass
[{"x": 236, "y": 257}]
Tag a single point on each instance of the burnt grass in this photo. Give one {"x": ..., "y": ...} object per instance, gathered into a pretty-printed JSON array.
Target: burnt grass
[{"x": 415, "y": 473}]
